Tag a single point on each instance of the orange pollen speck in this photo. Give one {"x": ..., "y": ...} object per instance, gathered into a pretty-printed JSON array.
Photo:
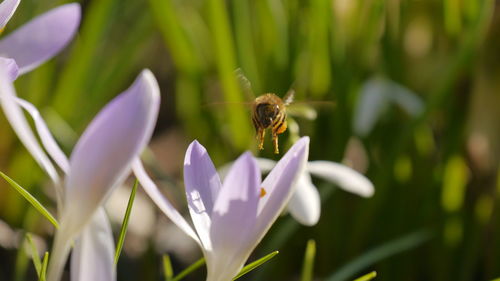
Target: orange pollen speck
[{"x": 262, "y": 192}]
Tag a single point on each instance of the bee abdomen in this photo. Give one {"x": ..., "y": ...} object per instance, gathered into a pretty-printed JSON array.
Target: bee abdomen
[{"x": 279, "y": 124}]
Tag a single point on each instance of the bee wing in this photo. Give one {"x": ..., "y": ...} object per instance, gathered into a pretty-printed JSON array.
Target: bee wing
[
  {"x": 288, "y": 98},
  {"x": 245, "y": 84}
]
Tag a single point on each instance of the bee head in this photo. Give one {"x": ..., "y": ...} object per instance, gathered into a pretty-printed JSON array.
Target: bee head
[{"x": 266, "y": 113}]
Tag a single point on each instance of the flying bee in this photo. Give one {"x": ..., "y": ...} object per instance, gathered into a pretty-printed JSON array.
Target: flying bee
[{"x": 269, "y": 112}]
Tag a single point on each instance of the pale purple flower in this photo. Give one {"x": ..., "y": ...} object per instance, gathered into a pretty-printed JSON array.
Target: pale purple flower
[
  {"x": 100, "y": 161},
  {"x": 38, "y": 40},
  {"x": 305, "y": 204},
  {"x": 230, "y": 218}
]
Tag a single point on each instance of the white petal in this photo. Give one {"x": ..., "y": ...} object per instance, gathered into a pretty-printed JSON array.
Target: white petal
[
  {"x": 305, "y": 204},
  {"x": 265, "y": 165},
  {"x": 345, "y": 177},
  {"x": 20, "y": 125},
  {"x": 160, "y": 200},
  {"x": 47, "y": 139},
  {"x": 94, "y": 252}
]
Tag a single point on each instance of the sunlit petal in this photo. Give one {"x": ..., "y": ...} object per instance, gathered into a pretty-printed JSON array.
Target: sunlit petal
[
  {"x": 345, "y": 177},
  {"x": 103, "y": 156},
  {"x": 7, "y": 9},
  {"x": 102, "y": 159},
  {"x": 305, "y": 204},
  {"x": 94, "y": 252},
  {"x": 233, "y": 219},
  {"x": 202, "y": 186},
  {"x": 160, "y": 200},
  {"x": 279, "y": 184},
  {"x": 41, "y": 38}
]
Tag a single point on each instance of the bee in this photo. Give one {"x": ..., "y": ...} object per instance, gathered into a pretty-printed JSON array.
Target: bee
[{"x": 269, "y": 112}]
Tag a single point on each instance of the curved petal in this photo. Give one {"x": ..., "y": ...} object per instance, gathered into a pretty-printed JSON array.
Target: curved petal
[
  {"x": 202, "y": 187},
  {"x": 46, "y": 137},
  {"x": 20, "y": 125},
  {"x": 7, "y": 9},
  {"x": 10, "y": 66},
  {"x": 345, "y": 177},
  {"x": 94, "y": 252},
  {"x": 305, "y": 204},
  {"x": 279, "y": 186},
  {"x": 160, "y": 200},
  {"x": 233, "y": 219},
  {"x": 103, "y": 156},
  {"x": 41, "y": 38}
]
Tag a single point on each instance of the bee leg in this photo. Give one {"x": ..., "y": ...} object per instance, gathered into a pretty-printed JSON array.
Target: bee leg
[
  {"x": 260, "y": 136},
  {"x": 275, "y": 143}
]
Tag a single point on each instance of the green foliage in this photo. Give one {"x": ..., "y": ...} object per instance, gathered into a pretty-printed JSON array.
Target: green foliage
[
  {"x": 32, "y": 200},
  {"x": 123, "y": 230},
  {"x": 308, "y": 266}
]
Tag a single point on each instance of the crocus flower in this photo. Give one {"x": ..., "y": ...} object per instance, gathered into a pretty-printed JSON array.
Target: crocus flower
[
  {"x": 376, "y": 96},
  {"x": 229, "y": 218},
  {"x": 38, "y": 40},
  {"x": 100, "y": 161},
  {"x": 305, "y": 204}
]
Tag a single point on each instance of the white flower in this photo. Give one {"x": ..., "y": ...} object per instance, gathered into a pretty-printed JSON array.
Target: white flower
[{"x": 305, "y": 204}]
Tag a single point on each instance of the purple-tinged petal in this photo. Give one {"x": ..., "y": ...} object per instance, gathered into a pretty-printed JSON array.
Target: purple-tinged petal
[
  {"x": 10, "y": 66},
  {"x": 20, "y": 125},
  {"x": 102, "y": 159},
  {"x": 7, "y": 9},
  {"x": 103, "y": 156},
  {"x": 94, "y": 252},
  {"x": 41, "y": 38},
  {"x": 305, "y": 204},
  {"x": 279, "y": 185},
  {"x": 202, "y": 186},
  {"x": 345, "y": 177},
  {"x": 46, "y": 137},
  {"x": 233, "y": 219},
  {"x": 160, "y": 200}
]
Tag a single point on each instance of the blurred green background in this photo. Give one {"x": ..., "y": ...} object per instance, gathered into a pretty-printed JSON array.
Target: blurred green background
[{"x": 434, "y": 215}]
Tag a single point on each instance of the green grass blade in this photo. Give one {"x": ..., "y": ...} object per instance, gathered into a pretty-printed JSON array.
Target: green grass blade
[
  {"x": 34, "y": 255},
  {"x": 32, "y": 200},
  {"x": 167, "y": 268},
  {"x": 44, "y": 266},
  {"x": 226, "y": 64},
  {"x": 307, "y": 269},
  {"x": 123, "y": 230},
  {"x": 381, "y": 252},
  {"x": 367, "y": 277},
  {"x": 255, "y": 264},
  {"x": 190, "y": 269}
]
